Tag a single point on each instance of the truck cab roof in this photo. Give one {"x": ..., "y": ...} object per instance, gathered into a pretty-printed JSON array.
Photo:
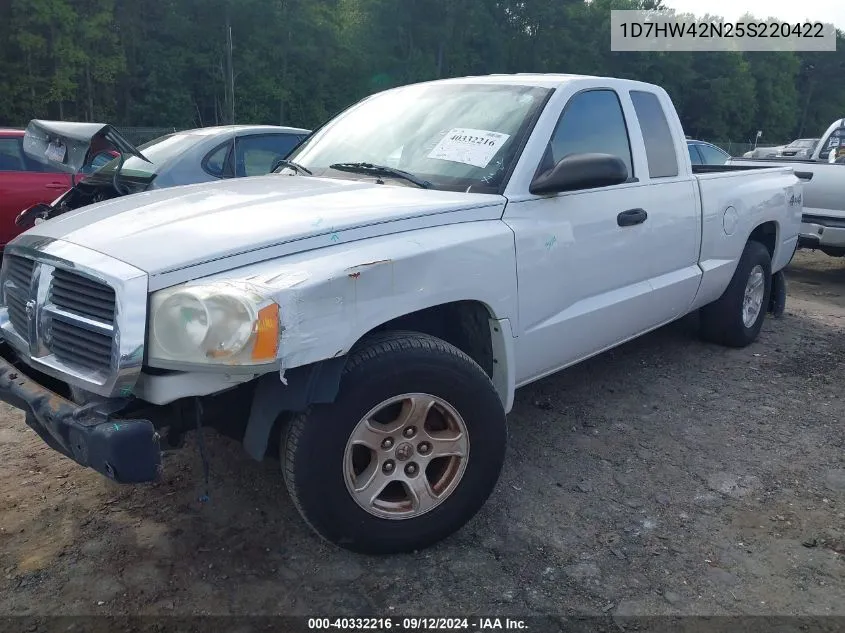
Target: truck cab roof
[{"x": 547, "y": 80}]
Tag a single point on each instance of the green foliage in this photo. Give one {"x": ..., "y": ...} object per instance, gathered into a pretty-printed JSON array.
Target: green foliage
[{"x": 298, "y": 62}]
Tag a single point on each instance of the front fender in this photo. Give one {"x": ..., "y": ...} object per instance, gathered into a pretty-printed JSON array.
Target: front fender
[{"x": 329, "y": 298}]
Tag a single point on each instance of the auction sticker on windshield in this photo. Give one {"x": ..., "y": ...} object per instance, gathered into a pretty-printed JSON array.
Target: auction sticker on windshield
[{"x": 469, "y": 146}]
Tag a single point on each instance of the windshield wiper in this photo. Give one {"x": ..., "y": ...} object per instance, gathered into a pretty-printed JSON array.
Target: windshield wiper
[
  {"x": 380, "y": 170},
  {"x": 295, "y": 166}
]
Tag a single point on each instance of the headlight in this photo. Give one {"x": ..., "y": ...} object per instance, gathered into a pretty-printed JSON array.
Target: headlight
[{"x": 220, "y": 323}]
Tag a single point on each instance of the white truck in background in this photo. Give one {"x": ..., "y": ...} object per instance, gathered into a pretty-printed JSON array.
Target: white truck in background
[
  {"x": 379, "y": 298},
  {"x": 823, "y": 225}
]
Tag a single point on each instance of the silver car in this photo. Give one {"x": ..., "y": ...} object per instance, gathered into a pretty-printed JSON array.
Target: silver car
[
  {"x": 702, "y": 153},
  {"x": 181, "y": 158}
]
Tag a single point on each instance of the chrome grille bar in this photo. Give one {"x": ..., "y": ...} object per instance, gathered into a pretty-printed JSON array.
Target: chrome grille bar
[{"x": 74, "y": 313}]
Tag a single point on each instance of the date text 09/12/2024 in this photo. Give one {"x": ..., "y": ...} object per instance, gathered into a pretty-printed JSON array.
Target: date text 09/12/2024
[{"x": 417, "y": 624}]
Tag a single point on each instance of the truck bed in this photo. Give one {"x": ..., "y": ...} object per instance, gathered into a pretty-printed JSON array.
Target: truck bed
[
  {"x": 735, "y": 199},
  {"x": 824, "y": 187},
  {"x": 715, "y": 169}
]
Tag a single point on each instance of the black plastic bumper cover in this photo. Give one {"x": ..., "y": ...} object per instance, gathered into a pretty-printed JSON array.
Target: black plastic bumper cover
[{"x": 126, "y": 451}]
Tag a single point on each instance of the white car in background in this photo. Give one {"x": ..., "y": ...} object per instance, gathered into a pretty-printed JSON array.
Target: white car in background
[
  {"x": 764, "y": 152},
  {"x": 799, "y": 148}
]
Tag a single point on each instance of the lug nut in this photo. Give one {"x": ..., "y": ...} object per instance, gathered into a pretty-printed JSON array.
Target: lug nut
[
  {"x": 388, "y": 466},
  {"x": 410, "y": 432},
  {"x": 424, "y": 448},
  {"x": 387, "y": 442},
  {"x": 411, "y": 469}
]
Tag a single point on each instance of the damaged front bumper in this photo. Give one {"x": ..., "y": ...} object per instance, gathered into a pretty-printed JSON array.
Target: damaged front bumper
[{"x": 124, "y": 450}]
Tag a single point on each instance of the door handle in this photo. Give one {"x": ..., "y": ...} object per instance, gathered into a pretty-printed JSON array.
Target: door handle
[
  {"x": 631, "y": 217},
  {"x": 57, "y": 185}
]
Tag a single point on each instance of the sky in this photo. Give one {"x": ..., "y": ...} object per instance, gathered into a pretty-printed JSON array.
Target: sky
[{"x": 786, "y": 10}]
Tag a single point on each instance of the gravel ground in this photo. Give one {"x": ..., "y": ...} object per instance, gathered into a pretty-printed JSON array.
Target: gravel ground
[{"x": 664, "y": 477}]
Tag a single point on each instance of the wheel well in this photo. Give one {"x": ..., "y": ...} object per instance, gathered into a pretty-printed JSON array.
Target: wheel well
[
  {"x": 463, "y": 324},
  {"x": 766, "y": 234}
]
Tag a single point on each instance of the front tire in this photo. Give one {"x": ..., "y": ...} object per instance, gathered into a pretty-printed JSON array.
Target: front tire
[
  {"x": 408, "y": 452},
  {"x": 735, "y": 319}
]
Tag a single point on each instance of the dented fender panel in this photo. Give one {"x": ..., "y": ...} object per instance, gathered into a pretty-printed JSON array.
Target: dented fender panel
[{"x": 330, "y": 297}]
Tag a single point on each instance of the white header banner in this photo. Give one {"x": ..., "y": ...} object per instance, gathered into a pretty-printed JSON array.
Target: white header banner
[{"x": 668, "y": 31}]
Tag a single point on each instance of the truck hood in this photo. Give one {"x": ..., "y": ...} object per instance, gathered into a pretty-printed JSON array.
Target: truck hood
[{"x": 166, "y": 230}]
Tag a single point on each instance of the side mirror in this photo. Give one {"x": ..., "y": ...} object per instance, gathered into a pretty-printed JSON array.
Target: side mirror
[{"x": 581, "y": 171}]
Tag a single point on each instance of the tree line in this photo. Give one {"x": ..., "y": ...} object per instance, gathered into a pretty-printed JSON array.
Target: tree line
[{"x": 166, "y": 63}]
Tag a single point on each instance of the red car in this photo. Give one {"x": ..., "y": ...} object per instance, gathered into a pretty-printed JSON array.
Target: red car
[{"x": 25, "y": 182}]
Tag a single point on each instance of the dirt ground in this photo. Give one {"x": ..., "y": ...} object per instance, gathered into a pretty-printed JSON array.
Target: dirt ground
[{"x": 665, "y": 477}]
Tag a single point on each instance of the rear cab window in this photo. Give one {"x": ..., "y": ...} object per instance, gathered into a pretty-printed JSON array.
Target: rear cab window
[{"x": 657, "y": 136}]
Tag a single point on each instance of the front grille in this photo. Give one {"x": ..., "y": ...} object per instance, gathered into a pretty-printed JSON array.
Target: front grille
[
  {"x": 74, "y": 344},
  {"x": 70, "y": 340},
  {"x": 17, "y": 314},
  {"x": 82, "y": 295},
  {"x": 60, "y": 309},
  {"x": 73, "y": 301},
  {"x": 20, "y": 271}
]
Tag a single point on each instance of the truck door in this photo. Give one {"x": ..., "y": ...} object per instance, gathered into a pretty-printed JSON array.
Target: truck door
[{"x": 585, "y": 258}]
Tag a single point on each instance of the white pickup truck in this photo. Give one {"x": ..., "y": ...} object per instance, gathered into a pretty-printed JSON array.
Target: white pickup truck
[
  {"x": 823, "y": 225},
  {"x": 379, "y": 299}
]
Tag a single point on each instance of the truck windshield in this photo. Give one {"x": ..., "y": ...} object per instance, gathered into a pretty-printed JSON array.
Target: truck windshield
[{"x": 461, "y": 137}]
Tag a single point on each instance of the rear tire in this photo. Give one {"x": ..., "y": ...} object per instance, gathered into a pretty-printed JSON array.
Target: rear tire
[
  {"x": 408, "y": 452},
  {"x": 735, "y": 318}
]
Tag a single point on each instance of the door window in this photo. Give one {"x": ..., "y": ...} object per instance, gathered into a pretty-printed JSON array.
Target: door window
[
  {"x": 11, "y": 155},
  {"x": 256, "y": 154},
  {"x": 13, "y": 158},
  {"x": 216, "y": 162},
  {"x": 592, "y": 122}
]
